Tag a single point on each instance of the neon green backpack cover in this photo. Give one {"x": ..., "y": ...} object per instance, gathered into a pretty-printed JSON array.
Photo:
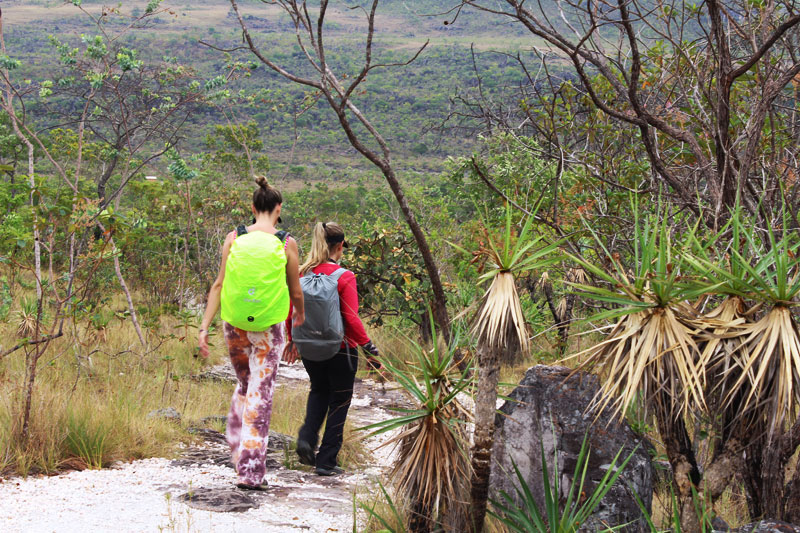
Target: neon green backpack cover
[{"x": 255, "y": 295}]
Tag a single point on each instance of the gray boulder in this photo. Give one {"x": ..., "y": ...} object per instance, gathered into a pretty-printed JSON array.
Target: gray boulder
[
  {"x": 220, "y": 373},
  {"x": 169, "y": 413},
  {"x": 765, "y": 526},
  {"x": 549, "y": 409},
  {"x": 219, "y": 500}
]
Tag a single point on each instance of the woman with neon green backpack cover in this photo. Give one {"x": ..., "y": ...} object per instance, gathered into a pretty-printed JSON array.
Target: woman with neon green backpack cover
[{"x": 258, "y": 276}]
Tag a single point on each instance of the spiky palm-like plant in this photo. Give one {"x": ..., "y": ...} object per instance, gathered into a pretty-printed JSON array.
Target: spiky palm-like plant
[
  {"x": 652, "y": 349},
  {"x": 432, "y": 464},
  {"x": 755, "y": 365},
  {"x": 723, "y": 348},
  {"x": 500, "y": 331}
]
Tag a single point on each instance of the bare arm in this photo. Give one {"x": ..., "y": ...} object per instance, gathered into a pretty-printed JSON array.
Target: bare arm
[
  {"x": 212, "y": 306},
  {"x": 293, "y": 280},
  {"x": 290, "y": 354}
]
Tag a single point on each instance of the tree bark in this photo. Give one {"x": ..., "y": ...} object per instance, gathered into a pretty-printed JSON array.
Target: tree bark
[
  {"x": 420, "y": 519},
  {"x": 772, "y": 475},
  {"x": 131, "y": 308},
  {"x": 33, "y": 359},
  {"x": 685, "y": 474},
  {"x": 753, "y": 459},
  {"x": 793, "y": 498},
  {"x": 483, "y": 437},
  {"x": 37, "y": 247}
]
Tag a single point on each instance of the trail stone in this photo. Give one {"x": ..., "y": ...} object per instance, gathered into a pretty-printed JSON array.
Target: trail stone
[
  {"x": 550, "y": 410},
  {"x": 219, "y": 500},
  {"x": 214, "y": 419},
  {"x": 170, "y": 413},
  {"x": 209, "y": 435},
  {"x": 278, "y": 442},
  {"x": 223, "y": 373},
  {"x": 765, "y": 526}
]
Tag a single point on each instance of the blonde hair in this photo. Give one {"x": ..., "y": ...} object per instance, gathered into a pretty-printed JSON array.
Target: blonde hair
[{"x": 320, "y": 247}]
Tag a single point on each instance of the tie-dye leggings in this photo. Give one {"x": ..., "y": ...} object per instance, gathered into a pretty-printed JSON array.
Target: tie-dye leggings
[{"x": 255, "y": 357}]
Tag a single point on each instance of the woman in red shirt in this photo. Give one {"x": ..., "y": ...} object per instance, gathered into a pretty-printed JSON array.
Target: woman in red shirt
[{"x": 331, "y": 380}]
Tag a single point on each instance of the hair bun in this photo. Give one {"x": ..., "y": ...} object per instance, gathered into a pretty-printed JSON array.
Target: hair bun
[{"x": 262, "y": 182}]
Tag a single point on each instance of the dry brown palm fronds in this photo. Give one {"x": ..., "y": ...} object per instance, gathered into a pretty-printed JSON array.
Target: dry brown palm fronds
[
  {"x": 651, "y": 351},
  {"x": 432, "y": 468},
  {"x": 577, "y": 275},
  {"x": 27, "y": 324},
  {"x": 561, "y": 308},
  {"x": 768, "y": 369},
  {"x": 499, "y": 323},
  {"x": 722, "y": 345}
]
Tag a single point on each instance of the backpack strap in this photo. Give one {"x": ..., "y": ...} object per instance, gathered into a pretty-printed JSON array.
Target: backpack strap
[
  {"x": 336, "y": 274},
  {"x": 282, "y": 234},
  {"x": 241, "y": 230}
]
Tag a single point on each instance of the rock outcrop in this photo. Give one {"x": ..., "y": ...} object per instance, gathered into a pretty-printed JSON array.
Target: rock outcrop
[
  {"x": 765, "y": 526},
  {"x": 549, "y": 410},
  {"x": 218, "y": 500}
]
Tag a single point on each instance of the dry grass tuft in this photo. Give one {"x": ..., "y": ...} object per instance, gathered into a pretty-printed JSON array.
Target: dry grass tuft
[{"x": 92, "y": 399}]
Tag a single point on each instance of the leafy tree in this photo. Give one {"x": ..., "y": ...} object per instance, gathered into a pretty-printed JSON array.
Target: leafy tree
[
  {"x": 392, "y": 280},
  {"x": 117, "y": 114},
  {"x": 709, "y": 109},
  {"x": 237, "y": 150}
]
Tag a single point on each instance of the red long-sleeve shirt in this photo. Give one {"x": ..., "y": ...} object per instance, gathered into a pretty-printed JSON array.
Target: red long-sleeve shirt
[{"x": 354, "y": 333}]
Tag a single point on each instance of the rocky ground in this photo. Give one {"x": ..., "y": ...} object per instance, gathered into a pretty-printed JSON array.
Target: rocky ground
[{"x": 196, "y": 493}]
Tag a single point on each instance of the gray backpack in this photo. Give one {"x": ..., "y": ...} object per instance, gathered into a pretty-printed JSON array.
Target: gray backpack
[{"x": 320, "y": 336}]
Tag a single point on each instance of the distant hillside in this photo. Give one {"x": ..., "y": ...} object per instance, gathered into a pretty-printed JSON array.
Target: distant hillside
[{"x": 406, "y": 104}]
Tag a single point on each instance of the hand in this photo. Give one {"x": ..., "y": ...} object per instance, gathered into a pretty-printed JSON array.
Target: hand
[
  {"x": 202, "y": 343},
  {"x": 370, "y": 349},
  {"x": 290, "y": 354},
  {"x": 298, "y": 317}
]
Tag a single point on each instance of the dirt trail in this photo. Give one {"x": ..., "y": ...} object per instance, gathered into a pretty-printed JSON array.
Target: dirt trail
[{"x": 151, "y": 494}]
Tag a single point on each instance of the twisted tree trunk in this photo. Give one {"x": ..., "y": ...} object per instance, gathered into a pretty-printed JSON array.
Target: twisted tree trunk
[
  {"x": 483, "y": 437},
  {"x": 685, "y": 474}
]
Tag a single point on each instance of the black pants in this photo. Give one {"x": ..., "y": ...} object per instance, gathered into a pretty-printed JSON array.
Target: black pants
[{"x": 329, "y": 397}]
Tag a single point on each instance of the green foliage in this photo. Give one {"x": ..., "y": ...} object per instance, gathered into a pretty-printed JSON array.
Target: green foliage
[
  {"x": 215, "y": 83},
  {"x": 660, "y": 276},
  {"x": 152, "y": 5},
  {"x": 237, "y": 150},
  {"x": 434, "y": 382},
  {"x": 127, "y": 60},
  {"x": 16, "y": 218},
  {"x": 95, "y": 46},
  {"x": 391, "y": 524},
  {"x": 760, "y": 265},
  {"x": 391, "y": 276},
  {"x": 5, "y": 299},
  {"x": 9, "y": 63},
  {"x": 46, "y": 89},
  {"x": 178, "y": 167},
  {"x": 66, "y": 54},
  {"x": 521, "y": 513}
]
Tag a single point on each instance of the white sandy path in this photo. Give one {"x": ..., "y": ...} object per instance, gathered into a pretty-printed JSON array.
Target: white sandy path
[
  {"x": 141, "y": 497},
  {"x": 132, "y": 498}
]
